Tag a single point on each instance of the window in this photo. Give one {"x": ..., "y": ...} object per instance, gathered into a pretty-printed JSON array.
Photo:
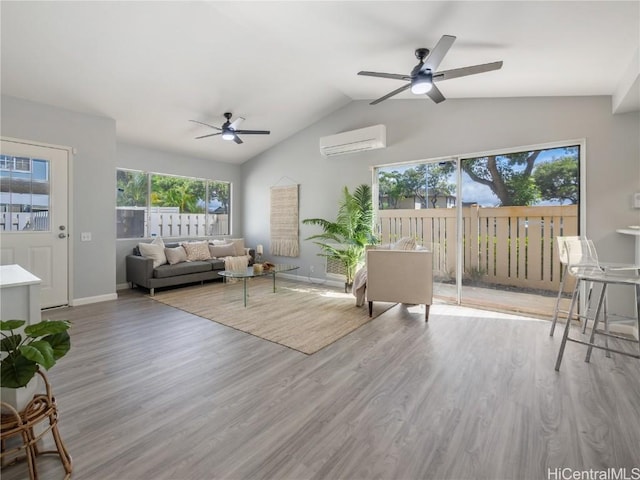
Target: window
[
  {"x": 153, "y": 204},
  {"x": 529, "y": 178},
  {"x": 24, "y": 194}
]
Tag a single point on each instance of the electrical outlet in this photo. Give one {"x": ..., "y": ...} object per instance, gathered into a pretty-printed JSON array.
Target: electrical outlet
[
  {"x": 311, "y": 268},
  {"x": 85, "y": 237}
]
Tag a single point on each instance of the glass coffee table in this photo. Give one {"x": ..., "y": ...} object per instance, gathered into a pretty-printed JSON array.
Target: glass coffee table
[{"x": 250, "y": 273}]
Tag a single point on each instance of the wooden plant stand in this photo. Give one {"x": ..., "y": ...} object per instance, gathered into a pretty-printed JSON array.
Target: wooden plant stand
[{"x": 23, "y": 424}]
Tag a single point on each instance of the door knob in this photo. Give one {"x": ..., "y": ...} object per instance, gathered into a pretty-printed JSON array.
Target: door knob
[{"x": 62, "y": 235}]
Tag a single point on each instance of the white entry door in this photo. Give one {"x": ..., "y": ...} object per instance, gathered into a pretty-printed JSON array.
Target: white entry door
[{"x": 34, "y": 215}]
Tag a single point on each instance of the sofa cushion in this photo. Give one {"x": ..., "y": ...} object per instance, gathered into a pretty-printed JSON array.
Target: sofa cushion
[
  {"x": 175, "y": 255},
  {"x": 184, "y": 268},
  {"x": 221, "y": 251},
  {"x": 197, "y": 250},
  {"x": 154, "y": 250},
  {"x": 217, "y": 263}
]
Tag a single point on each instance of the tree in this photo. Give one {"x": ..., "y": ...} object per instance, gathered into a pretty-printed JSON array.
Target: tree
[
  {"x": 512, "y": 186},
  {"x": 413, "y": 183},
  {"x": 438, "y": 184},
  {"x": 220, "y": 191},
  {"x": 424, "y": 182},
  {"x": 183, "y": 193},
  {"x": 133, "y": 188},
  {"x": 558, "y": 180},
  {"x": 390, "y": 188}
]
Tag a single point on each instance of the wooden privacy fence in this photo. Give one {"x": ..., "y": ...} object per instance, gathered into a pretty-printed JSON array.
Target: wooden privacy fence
[
  {"x": 26, "y": 221},
  {"x": 511, "y": 246},
  {"x": 187, "y": 224},
  {"x": 137, "y": 222}
]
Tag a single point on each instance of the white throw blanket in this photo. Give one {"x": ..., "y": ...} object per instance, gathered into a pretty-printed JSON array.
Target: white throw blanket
[
  {"x": 360, "y": 286},
  {"x": 236, "y": 264}
]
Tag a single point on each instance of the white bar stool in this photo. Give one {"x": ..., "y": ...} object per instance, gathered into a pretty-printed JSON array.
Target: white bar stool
[
  {"x": 607, "y": 277},
  {"x": 580, "y": 259}
]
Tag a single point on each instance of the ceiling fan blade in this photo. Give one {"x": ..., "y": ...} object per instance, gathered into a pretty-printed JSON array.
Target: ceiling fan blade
[
  {"x": 237, "y": 139},
  {"x": 205, "y": 136},
  {"x": 435, "y": 94},
  {"x": 437, "y": 54},
  {"x": 236, "y": 123},
  {"x": 464, "y": 71},
  {"x": 205, "y": 124},
  {"x": 253, "y": 132},
  {"x": 391, "y": 94},
  {"x": 393, "y": 76}
]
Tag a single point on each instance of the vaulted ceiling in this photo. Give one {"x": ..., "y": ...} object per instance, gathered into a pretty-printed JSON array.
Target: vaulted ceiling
[{"x": 153, "y": 66}]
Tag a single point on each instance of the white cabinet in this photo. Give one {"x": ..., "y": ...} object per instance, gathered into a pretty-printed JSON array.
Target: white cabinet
[
  {"x": 19, "y": 294},
  {"x": 635, "y": 231}
]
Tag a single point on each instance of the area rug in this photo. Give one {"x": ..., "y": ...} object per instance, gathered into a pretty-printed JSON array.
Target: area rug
[{"x": 300, "y": 316}]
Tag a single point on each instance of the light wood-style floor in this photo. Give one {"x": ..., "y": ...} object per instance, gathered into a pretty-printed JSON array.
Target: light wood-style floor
[{"x": 151, "y": 392}]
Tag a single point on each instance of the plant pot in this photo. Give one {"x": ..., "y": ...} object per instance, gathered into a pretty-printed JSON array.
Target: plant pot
[{"x": 19, "y": 398}]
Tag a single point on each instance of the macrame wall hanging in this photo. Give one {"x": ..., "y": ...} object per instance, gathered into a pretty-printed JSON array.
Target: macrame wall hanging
[{"x": 284, "y": 221}]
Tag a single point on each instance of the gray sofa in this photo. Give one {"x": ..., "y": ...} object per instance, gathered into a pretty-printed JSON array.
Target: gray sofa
[{"x": 140, "y": 270}]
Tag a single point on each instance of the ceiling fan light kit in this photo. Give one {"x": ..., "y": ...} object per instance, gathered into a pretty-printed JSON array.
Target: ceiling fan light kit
[
  {"x": 421, "y": 84},
  {"x": 424, "y": 73},
  {"x": 229, "y": 130}
]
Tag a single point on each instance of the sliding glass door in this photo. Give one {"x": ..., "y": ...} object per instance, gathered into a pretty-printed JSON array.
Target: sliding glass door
[
  {"x": 419, "y": 201},
  {"x": 514, "y": 206},
  {"x": 491, "y": 222}
]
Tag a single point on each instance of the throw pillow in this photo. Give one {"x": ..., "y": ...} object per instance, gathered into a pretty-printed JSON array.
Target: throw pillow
[
  {"x": 154, "y": 250},
  {"x": 197, "y": 250},
  {"x": 221, "y": 251},
  {"x": 175, "y": 255},
  {"x": 405, "y": 243},
  {"x": 239, "y": 244}
]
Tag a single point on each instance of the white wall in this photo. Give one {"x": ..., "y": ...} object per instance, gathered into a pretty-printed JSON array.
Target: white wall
[
  {"x": 98, "y": 266},
  {"x": 149, "y": 160},
  {"x": 93, "y": 167},
  {"x": 416, "y": 130},
  {"x": 422, "y": 130}
]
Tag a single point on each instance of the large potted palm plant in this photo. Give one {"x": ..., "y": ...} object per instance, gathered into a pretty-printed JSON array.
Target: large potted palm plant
[{"x": 346, "y": 238}]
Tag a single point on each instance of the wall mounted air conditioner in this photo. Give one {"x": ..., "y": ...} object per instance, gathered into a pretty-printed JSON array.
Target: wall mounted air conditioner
[{"x": 369, "y": 138}]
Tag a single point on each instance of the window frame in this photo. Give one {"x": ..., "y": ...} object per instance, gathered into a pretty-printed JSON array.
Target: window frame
[{"x": 149, "y": 231}]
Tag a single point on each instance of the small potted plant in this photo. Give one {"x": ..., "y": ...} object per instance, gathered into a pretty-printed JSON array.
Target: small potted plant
[{"x": 24, "y": 351}]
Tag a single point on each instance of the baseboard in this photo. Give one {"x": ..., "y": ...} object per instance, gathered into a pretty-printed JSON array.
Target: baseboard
[
  {"x": 76, "y": 302},
  {"x": 123, "y": 286},
  {"x": 624, "y": 329}
]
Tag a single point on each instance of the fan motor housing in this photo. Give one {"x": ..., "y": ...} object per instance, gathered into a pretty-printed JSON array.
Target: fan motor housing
[{"x": 421, "y": 53}]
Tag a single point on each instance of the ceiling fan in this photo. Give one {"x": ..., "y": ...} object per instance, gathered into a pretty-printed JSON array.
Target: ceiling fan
[
  {"x": 422, "y": 77},
  {"x": 229, "y": 130}
]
